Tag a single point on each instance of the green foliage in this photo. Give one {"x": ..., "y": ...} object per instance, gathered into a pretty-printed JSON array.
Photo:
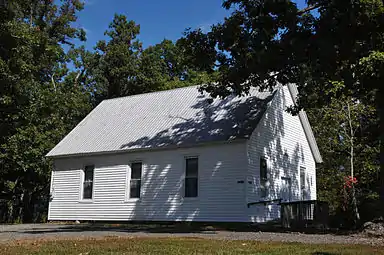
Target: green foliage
[
  {"x": 265, "y": 42},
  {"x": 165, "y": 66},
  {"x": 37, "y": 106},
  {"x": 346, "y": 119},
  {"x": 121, "y": 67},
  {"x": 119, "y": 57},
  {"x": 329, "y": 42}
]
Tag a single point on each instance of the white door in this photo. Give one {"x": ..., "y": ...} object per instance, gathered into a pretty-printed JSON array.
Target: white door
[{"x": 286, "y": 189}]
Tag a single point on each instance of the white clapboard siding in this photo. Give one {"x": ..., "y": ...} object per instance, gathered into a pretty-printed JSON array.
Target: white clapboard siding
[
  {"x": 229, "y": 177},
  {"x": 281, "y": 139},
  {"x": 222, "y": 172}
]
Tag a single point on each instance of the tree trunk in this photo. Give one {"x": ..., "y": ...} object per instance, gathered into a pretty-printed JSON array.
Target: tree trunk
[
  {"x": 356, "y": 214},
  {"x": 27, "y": 208}
]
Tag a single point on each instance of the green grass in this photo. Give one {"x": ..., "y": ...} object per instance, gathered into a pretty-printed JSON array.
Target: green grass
[{"x": 177, "y": 246}]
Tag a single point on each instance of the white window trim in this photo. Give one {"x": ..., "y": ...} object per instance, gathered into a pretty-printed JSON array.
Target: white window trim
[
  {"x": 51, "y": 191},
  {"x": 51, "y": 186},
  {"x": 128, "y": 181},
  {"x": 82, "y": 176},
  {"x": 185, "y": 174}
]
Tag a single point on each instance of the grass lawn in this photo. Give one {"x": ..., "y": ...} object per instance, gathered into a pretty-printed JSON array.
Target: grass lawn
[{"x": 177, "y": 246}]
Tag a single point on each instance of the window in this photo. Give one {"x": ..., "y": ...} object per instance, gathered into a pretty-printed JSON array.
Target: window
[
  {"x": 191, "y": 177},
  {"x": 135, "y": 181},
  {"x": 263, "y": 176},
  {"x": 88, "y": 182},
  {"x": 302, "y": 182}
]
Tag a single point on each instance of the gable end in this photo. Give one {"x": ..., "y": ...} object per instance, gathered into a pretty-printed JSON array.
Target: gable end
[{"x": 306, "y": 126}]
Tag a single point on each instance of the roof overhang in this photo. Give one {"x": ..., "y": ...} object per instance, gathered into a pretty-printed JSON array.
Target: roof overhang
[
  {"x": 306, "y": 125},
  {"x": 173, "y": 147}
]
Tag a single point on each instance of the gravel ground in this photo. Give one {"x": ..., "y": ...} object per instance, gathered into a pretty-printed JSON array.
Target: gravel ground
[{"x": 10, "y": 233}]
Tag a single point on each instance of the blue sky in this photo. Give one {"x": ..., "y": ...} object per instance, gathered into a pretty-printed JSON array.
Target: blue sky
[{"x": 157, "y": 19}]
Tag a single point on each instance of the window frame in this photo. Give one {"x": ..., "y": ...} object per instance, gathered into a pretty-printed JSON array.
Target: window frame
[
  {"x": 82, "y": 180},
  {"x": 263, "y": 181},
  {"x": 128, "y": 197},
  {"x": 185, "y": 177}
]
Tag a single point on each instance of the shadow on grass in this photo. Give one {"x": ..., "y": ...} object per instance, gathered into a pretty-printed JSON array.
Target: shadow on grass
[{"x": 169, "y": 227}]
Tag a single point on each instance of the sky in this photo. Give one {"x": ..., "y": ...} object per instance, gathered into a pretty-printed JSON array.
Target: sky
[{"x": 158, "y": 19}]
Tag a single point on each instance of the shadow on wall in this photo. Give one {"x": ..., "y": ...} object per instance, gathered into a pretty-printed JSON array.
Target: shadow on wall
[
  {"x": 216, "y": 122},
  {"x": 284, "y": 154},
  {"x": 222, "y": 121}
]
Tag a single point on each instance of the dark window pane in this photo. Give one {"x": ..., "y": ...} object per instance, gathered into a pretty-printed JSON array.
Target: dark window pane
[
  {"x": 263, "y": 169},
  {"x": 135, "y": 183},
  {"x": 191, "y": 167},
  {"x": 88, "y": 176},
  {"x": 302, "y": 177},
  {"x": 136, "y": 170},
  {"x": 88, "y": 182},
  {"x": 190, "y": 187},
  {"x": 135, "y": 187},
  {"x": 87, "y": 193},
  {"x": 263, "y": 177}
]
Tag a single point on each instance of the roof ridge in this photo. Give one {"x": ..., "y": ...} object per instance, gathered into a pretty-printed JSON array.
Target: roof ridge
[{"x": 152, "y": 92}]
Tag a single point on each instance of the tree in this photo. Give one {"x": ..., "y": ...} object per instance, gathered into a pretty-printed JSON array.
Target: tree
[
  {"x": 120, "y": 66},
  {"x": 265, "y": 42},
  {"x": 350, "y": 163},
  {"x": 38, "y": 103},
  {"x": 165, "y": 66},
  {"x": 118, "y": 59}
]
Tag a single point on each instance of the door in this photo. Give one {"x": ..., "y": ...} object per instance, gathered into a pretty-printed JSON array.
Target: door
[{"x": 286, "y": 189}]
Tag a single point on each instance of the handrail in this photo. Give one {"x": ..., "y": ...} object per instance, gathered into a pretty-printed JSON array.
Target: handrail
[
  {"x": 280, "y": 202},
  {"x": 300, "y": 202},
  {"x": 265, "y": 202}
]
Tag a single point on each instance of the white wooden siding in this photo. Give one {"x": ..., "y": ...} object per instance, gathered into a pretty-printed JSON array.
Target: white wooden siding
[
  {"x": 228, "y": 177},
  {"x": 220, "y": 197},
  {"x": 281, "y": 139}
]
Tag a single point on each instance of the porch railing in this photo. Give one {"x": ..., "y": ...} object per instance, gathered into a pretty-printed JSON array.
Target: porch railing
[{"x": 302, "y": 214}]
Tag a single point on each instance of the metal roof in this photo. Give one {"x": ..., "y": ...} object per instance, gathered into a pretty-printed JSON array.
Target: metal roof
[{"x": 178, "y": 117}]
